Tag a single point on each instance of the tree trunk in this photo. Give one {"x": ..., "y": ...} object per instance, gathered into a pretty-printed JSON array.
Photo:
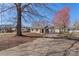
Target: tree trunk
[{"x": 18, "y": 26}]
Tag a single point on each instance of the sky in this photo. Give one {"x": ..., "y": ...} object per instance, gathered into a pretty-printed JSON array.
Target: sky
[{"x": 73, "y": 13}]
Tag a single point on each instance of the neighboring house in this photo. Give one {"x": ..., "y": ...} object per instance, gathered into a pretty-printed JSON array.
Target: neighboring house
[
  {"x": 37, "y": 30},
  {"x": 42, "y": 29},
  {"x": 51, "y": 29},
  {"x": 6, "y": 28},
  {"x": 11, "y": 28},
  {"x": 25, "y": 29},
  {"x": 72, "y": 29}
]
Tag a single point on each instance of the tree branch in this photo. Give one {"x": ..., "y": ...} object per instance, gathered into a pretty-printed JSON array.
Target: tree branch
[
  {"x": 23, "y": 7},
  {"x": 6, "y": 9}
]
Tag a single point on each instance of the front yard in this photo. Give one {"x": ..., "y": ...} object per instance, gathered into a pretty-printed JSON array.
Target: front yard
[
  {"x": 37, "y": 44},
  {"x": 8, "y": 40}
]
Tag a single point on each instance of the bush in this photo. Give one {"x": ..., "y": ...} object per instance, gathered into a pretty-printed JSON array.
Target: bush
[{"x": 66, "y": 35}]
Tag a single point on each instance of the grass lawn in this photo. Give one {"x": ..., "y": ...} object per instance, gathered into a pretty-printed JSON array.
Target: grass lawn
[{"x": 8, "y": 40}]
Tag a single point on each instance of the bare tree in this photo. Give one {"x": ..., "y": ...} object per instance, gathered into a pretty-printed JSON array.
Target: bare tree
[
  {"x": 26, "y": 11},
  {"x": 19, "y": 12},
  {"x": 40, "y": 23}
]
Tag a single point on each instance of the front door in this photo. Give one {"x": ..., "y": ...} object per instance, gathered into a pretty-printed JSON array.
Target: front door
[{"x": 47, "y": 30}]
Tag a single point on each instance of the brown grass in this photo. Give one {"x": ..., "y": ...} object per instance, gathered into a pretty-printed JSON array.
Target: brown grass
[{"x": 10, "y": 40}]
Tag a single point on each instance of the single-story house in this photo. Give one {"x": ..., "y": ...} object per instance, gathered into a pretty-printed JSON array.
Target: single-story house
[
  {"x": 37, "y": 30},
  {"x": 40, "y": 29},
  {"x": 6, "y": 28}
]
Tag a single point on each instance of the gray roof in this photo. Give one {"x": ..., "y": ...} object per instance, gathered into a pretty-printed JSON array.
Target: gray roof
[
  {"x": 42, "y": 27},
  {"x": 37, "y": 27}
]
